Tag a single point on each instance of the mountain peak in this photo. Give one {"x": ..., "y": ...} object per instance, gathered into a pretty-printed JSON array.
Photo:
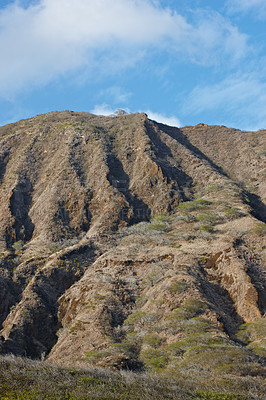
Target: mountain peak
[{"x": 121, "y": 236}]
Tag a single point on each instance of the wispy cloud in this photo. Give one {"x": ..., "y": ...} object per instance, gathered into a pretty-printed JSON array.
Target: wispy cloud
[
  {"x": 116, "y": 94},
  {"x": 172, "y": 120},
  {"x": 245, "y": 6},
  {"x": 52, "y": 38},
  {"x": 106, "y": 109},
  {"x": 242, "y": 97},
  {"x": 103, "y": 109}
]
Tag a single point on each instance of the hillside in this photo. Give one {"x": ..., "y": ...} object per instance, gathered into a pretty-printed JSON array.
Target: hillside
[{"x": 129, "y": 244}]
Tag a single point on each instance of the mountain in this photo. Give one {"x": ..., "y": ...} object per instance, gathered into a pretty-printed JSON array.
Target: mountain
[{"x": 130, "y": 244}]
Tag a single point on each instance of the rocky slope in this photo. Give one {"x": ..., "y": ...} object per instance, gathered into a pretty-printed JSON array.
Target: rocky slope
[{"x": 132, "y": 244}]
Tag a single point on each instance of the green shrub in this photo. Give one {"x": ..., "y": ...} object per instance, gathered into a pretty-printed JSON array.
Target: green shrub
[
  {"x": 253, "y": 335},
  {"x": 252, "y": 331},
  {"x": 179, "y": 287},
  {"x": 130, "y": 345},
  {"x": 160, "y": 218},
  {"x": 197, "y": 324},
  {"x": 136, "y": 318},
  {"x": 210, "y": 189},
  {"x": 93, "y": 355},
  {"x": 217, "y": 358},
  {"x": 258, "y": 348},
  {"x": 203, "y": 395},
  {"x": 174, "y": 349},
  {"x": 191, "y": 308},
  {"x": 141, "y": 300},
  {"x": 232, "y": 213},
  {"x": 209, "y": 218},
  {"x": 206, "y": 228},
  {"x": 154, "y": 359},
  {"x": 199, "y": 341},
  {"x": 259, "y": 229},
  {"x": 154, "y": 277},
  {"x": 152, "y": 339},
  {"x": 193, "y": 205},
  {"x": 140, "y": 319},
  {"x": 157, "y": 226}
]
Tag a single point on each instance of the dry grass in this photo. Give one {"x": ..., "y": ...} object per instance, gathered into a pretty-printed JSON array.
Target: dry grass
[{"x": 28, "y": 379}]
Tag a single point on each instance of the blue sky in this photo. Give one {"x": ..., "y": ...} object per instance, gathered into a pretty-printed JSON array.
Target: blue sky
[{"x": 180, "y": 61}]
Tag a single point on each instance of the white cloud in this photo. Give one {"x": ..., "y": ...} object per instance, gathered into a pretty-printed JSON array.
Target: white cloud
[
  {"x": 116, "y": 94},
  {"x": 242, "y": 97},
  {"x": 106, "y": 109},
  {"x": 103, "y": 109},
  {"x": 51, "y": 38},
  {"x": 259, "y": 6},
  {"x": 172, "y": 121}
]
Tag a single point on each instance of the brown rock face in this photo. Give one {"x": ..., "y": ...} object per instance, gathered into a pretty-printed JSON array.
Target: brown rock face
[{"x": 119, "y": 234}]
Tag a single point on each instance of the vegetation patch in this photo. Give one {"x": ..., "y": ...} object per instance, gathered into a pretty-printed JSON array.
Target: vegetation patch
[
  {"x": 191, "y": 308},
  {"x": 253, "y": 335},
  {"x": 232, "y": 213},
  {"x": 259, "y": 229},
  {"x": 153, "y": 359},
  {"x": 203, "y": 395},
  {"x": 208, "y": 217},
  {"x": 179, "y": 287},
  {"x": 206, "y": 228},
  {"x": 93, "y": 356},
  {"x": 194, "y": 205},
  {"x": 152, "y": 339}
]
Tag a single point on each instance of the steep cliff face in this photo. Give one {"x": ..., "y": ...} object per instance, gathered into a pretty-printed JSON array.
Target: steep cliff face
[{"x": 129, "y": 243}]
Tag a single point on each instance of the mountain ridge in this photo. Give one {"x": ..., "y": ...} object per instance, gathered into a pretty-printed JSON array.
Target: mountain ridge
[{"x": 135, "y": 235}]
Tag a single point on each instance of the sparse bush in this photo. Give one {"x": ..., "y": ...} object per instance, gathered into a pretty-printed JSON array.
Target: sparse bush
[
  {"x": 140, "y": 228},
  {"x": 24, "y": 379},
  {"x": 130, "y": 346},
  {"x": 189, "y": 326},
  {"x": 232, "y": 213},
  {"x": 152, "y": 339},
  {"x": 154, "y": 359},
  {"x": 94, "y": 355},
  {"x": 193, "y": 205},
  {"x": 186, "y": 217},
  {"x": 197, "y": 340},
  {"x": 203, "y": 395},
  {"x": 154, "y": 277},
  {"x": 179, "y": 287},
  {"x": 209, "y": 218},
  {"x": 140, "y": 319},
  {"x": 191, "y": 308},
  {"x": 259, "y": 229},
  {"x": 210, "y": 189},
  {"x": 18, "y": 245},
  {"x": 173, "y": 246},
  {"x": 141, "y": 300},
  {"x": 258, "y": 348},
  {"x": 160, "y": 218},
  {"x": 206, "y": 228},
  {"x": 157, "y": 226},
  {"x": 188, "y": 236},
  {"x": 196, "y": 324},
  {"x": 135, "y": 318},
  {"x": 225, "y": 358},
  {"x": 253, "y": 335}
]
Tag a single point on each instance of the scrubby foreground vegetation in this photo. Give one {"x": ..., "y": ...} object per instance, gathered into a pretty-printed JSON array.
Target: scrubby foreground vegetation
[{"x": 24, "y": 379}]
